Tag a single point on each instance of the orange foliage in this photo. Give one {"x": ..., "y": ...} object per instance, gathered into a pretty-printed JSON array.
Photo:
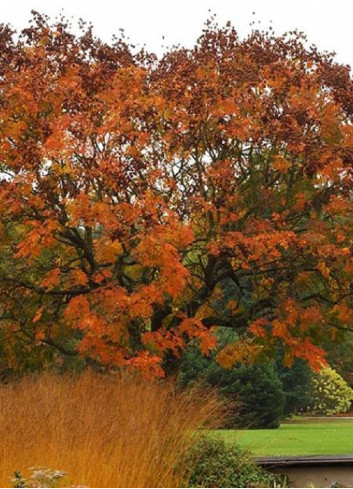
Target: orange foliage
[{"x": 135, "y": 192}]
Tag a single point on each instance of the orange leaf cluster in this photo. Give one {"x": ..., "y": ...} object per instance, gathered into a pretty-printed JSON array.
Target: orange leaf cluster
[{"x": 146, "y": 202}]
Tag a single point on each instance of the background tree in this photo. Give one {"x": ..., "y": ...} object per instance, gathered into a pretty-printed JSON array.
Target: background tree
[
  {"x": 259, "y": 395},
  {"x": 133, "y": 188},
  {"x": 340, "y": 356},
  {"x": 297, "y": 385},
  {"x": 255, "y": 392}
]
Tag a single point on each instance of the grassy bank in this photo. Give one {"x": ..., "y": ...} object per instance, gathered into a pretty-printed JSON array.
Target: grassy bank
[{"x": 325, "y": 438}]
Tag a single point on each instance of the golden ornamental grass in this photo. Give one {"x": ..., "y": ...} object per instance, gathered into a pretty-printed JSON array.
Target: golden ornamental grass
[{"x": 103, "y": 431}]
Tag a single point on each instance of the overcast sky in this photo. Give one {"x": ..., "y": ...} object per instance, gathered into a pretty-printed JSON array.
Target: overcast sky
[{"x": 328, "y": 23}]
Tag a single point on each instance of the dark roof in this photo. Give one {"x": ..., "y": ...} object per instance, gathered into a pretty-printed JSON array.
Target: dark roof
[{"x": 307, "y": 461}]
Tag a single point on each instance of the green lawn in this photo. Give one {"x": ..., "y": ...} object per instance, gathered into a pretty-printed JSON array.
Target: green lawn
[{"x": 329, "y": 438}]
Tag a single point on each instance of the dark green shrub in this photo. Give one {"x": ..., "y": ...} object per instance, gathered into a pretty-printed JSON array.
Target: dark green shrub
[
  {"x": 259, "y": 392},
  {"x": 297, "y": 382},
  {"x": 255, "y": 390},
  {"x": 213, "y": 463}
]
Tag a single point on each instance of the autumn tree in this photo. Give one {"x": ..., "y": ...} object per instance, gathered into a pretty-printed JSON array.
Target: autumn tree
[{"x": 146, "y": 201}]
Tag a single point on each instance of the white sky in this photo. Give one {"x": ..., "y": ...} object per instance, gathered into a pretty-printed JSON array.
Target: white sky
[{"x": 327, "y": 23}]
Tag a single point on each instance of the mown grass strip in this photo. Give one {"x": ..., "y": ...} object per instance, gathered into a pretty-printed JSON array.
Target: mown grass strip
[{"x": 326, "y": 438}]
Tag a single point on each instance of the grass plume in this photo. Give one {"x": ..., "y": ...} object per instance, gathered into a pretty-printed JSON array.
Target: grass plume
[{"x": 103, "y": 431}]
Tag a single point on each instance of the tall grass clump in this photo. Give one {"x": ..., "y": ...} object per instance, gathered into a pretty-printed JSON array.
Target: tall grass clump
[{"x": 103, "y": 431}]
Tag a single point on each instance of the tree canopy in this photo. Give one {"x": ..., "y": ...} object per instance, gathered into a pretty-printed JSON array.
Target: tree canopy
[{"x": 135, "y": 191}]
